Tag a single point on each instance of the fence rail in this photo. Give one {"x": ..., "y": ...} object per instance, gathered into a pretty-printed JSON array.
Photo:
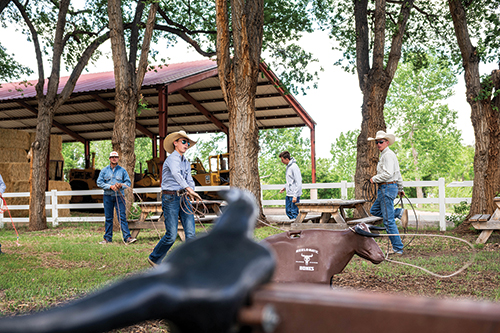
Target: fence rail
[{"x": 53, "y": 207}]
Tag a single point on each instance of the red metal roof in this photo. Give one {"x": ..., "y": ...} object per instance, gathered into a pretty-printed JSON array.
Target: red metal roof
[{"x": 160, "y": 75}]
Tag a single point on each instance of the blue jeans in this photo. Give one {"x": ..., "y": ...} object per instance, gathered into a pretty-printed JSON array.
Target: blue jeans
[
  {"x": 110, "y": 203},
  {"x": 384, "y": 207},
  {"x": 171, "y": 206},
  {"x": 291, "y": 210}
]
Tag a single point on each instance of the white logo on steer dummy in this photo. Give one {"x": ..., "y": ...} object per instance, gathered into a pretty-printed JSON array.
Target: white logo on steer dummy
[{"x": 307, "y": 259}]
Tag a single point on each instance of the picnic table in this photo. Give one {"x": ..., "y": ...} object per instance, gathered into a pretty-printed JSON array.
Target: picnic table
[
  {"x": 333, "y": 214},
  {"x": 487, "y": 223},
  {"x": 151, "y": 217}
]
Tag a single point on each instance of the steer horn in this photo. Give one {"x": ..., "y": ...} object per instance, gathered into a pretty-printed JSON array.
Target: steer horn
[
  {"x": 365, "y": 233},
  {"x": 375, "y": 227}
]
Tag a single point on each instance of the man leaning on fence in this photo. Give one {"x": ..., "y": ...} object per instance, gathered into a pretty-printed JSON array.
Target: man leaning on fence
[{"x": 112, "y": 179}]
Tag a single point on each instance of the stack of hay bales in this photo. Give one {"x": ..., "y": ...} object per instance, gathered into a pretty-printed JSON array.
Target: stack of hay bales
[{"x": 15, "y": 167}]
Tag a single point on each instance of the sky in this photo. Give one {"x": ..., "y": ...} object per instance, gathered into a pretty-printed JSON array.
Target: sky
[{"x": 335, "y": 106}]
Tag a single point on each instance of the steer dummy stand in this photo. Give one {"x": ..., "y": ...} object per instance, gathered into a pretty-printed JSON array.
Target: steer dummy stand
[{"x": 315, "y": 255}]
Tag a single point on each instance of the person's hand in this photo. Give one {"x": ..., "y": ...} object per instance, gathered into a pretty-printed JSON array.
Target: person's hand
[
  {"x": 281, "y": 191},
  {"x": 118, "y": 185},
  {"x": 113, "y": 187},
  {"x": 371, "y": 180},
  {"x": 402, "y": 193},
  {"x": 193, "y": 195},
  {"x": 294, "y": 199}
]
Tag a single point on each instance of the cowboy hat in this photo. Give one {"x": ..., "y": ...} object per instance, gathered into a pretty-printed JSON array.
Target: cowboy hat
[
  {"x": 383, "y": 135},
  {"x": 168, "y": 143}
]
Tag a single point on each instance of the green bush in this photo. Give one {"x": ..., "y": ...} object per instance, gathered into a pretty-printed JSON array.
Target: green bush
[{"x": 460, "y": 211}]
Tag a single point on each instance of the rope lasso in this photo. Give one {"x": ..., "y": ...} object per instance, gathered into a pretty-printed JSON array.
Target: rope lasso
[
  {"x": 4, "y": 208},
  {"x": 465, "y": 266}
]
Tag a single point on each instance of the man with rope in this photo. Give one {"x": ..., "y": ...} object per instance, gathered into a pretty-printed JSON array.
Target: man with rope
[
  {"x": 390, "y": 184},
  {"x": 112, "y": 179},
  {"x": 2, "y": 190},
  {"x": 176, "y": 186}
]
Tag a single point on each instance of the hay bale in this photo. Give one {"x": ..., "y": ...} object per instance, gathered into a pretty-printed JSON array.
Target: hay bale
[
  {"x": 61, "y": 186},
  {"x": 16, "y": 155},
  {"x": 56, "y": 148},
  {"x": 18, "y": 186},
  {"x": 14, "y": 139},
  {"x": 12, "y": 172}
]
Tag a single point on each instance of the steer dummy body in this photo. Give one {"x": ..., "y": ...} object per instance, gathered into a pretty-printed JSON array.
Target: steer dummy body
[{"x": 315, "y": 255}]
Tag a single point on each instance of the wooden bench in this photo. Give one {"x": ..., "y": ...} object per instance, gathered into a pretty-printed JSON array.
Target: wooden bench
[
  {"x": 486, "y": 223},
  {"x": 333, "y": 215}
]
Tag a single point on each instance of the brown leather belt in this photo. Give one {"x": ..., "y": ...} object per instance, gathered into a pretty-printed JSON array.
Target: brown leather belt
[
  {"x": 169, "y": 192},
  {"x": 178, "y": 193},
  {"x": 387, "y": 183}
]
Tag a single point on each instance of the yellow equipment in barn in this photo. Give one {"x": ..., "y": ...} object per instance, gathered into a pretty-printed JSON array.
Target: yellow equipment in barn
[
  {"x": 217, "y": 174},
  {"x": 150, "y": 178}
]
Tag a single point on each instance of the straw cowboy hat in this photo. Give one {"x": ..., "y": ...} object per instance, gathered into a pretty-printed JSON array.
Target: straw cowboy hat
[
  {"x": 383, "y": 135},
  {"x": 168, "y": 143}
]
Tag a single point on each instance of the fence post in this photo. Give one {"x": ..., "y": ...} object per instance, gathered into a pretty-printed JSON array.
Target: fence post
[
  {"x": 442, "y": 206},
  {"x": 314, "y": 194},
  {"x": 1, "y": 220},
  {"x": 55, "y": 212},
  {"x": 343, "y": 189}
]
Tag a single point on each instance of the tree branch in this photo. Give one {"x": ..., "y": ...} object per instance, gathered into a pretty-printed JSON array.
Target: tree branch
[
  {"x": 134, "y": 35},
  {"x": 148, "y": 34},
  {"x": 3, "y": 4},
  {"x": 397, "y": 38},
  {"x": 186, "y": 38},
  {"x": 36, "y": 43}
]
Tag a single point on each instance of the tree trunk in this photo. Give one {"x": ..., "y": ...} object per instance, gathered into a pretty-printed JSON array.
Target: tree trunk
[
  {"x": 484, "y": 119},
  {"x": 374, "y": 82},
  {"x": 128, "y": 82},
  {"x": 40, "y": 149},
  {"x": 238, "y": 76}
]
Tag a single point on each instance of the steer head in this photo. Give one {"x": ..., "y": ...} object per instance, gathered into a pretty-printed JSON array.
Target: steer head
[{"x": 366, "y": 247}]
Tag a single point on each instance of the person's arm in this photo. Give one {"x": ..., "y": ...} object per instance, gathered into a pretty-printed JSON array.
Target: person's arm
[
  {"x": 174, "y": 164},
  {"x": 387, "y": 172},
  {"x": 100, "y": 180},
  {"x": 2, "y": 186}
]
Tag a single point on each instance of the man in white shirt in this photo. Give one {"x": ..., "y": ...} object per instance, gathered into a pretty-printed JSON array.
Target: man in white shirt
[
  {"x": 390, "y": 184},
  {"x": 293, "y": 185}
]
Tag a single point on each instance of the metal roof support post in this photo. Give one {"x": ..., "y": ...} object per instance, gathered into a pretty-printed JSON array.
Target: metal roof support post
[
  {"x": 86, "y": 147},
  {"x": 162, "y": 118},
  {"x": 314, "y": 191},
  {"x": 155, "y": 146}
]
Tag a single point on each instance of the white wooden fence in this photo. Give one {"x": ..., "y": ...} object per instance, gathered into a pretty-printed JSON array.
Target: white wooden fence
[{"x": 53, "y": 206}]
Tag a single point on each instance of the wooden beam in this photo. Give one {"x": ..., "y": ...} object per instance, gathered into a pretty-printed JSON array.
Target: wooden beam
[
  {"x": 207, "y": 113},
  {"x": 63, "y": 128},
  {"x": 110, "y": 106}
]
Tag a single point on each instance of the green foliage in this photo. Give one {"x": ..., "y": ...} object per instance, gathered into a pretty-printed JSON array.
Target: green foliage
[
  {"x": 10, "y": 69},
  {"x": 429, "y": 143},
  {"x": 460, "y": 212}
]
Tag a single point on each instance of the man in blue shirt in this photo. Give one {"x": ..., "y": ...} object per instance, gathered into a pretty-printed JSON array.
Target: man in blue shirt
[
  {"x": 177, "y": 183},
  {"x": 112, "y": 179}
]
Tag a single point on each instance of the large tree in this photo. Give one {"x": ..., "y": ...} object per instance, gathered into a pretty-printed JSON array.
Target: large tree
[
  {"x": 129, "y": 75},
  {"x": 482, "y": 94},
  {"x": 238, "y": 74},
  {"x": 66, "y": 34}
]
